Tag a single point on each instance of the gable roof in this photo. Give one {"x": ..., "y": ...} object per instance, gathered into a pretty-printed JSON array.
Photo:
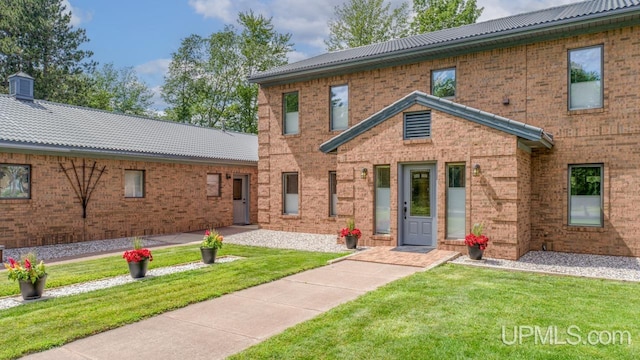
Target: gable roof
[
  {"x": 534, "y": 136},
  {"x": 52, "y": 127},
  {"x": 555, "y": 22}
]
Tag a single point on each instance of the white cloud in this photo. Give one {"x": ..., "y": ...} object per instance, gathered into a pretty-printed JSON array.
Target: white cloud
[
  {"x": 494, "y": 9},
  {"x": 78, "y": 16},
  {"x": 158, "y": 66},
  {"x": 296, "y": 56},
  {"x": 158, "y": 103}
]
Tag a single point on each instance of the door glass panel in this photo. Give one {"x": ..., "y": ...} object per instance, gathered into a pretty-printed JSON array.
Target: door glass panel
[
  {"x": 420, "y": 194},
  {"x": 237, "y": 189}
]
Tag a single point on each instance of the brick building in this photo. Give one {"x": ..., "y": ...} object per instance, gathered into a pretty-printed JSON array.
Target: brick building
[
  {"x": 70, "y": 174},
  {"x": 528, "y": 124}
]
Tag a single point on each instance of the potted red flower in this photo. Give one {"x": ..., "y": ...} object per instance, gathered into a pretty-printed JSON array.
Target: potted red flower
[
  {"x": 476, "y": 242},
  {"x": 30, "y": 274},
  {"x": 138, "y": 259},
  {"x": 209, "y": 246},
  {"x": 351, "y": 234}
]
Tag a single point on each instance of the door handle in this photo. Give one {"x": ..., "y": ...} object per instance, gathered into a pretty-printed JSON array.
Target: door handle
[{"x": 405, "y": 213}]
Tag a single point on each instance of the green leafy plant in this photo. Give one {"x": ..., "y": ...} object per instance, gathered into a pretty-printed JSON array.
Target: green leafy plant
[
  {"x": 25, "y": 270},
  {"x": 212, "y": 240}
]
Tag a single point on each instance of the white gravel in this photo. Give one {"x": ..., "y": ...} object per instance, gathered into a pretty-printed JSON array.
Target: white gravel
[
  {"x": 50, "y": 252},
  {"x": 111, "y": 282},
  {"x": 597, "y": 266},
  {"x": 287, "y": 240}
]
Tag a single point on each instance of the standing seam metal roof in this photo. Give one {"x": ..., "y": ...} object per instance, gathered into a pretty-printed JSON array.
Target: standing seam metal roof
[
  {"x": 34, "y": 124},
  {"x": 491, "y": 29}
]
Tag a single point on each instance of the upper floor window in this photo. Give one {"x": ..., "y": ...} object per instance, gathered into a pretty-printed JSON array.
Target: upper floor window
[
  {"x": 585, "y": 78},
  {"x": 443, "y": 83},
  {"x": 15, "y": 181},
  {"x": 134, "y": 183},
  {"x": 339, "y": 107},
  {"x": 290, "y": 123}
]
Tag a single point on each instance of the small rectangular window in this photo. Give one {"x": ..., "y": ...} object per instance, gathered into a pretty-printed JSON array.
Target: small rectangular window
[
  {"x": 443, "y": 83},
  {"x": 291, "y": 120},
  {"x": 585, "y": 78},
  {"x": 585, "y": 195},
  {"x": 339, "y": 107},
  {"x": 237, "y": 189},
  {"x": 333, "y": 194},
  {"x": 383, "y": 199},
  {"x": 134, "y": 183},
  {"x": 213, "y": 184},
  {"x": 290, "y": 193},
  {"x": 15, "y": 181},
  {"x": 456, "y": 201},
  {"x": 417, "y": 125}
]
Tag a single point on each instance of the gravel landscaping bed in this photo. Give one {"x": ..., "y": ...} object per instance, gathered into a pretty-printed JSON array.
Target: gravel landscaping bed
[
  {"x": 110, "y": 282},
  {"x": 287, "y": 240},
  {"x": 50, "y": 252},
  {"x": 598, "y": 266}
]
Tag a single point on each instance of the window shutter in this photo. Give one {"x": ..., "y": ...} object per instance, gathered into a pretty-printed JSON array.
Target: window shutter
[{"x": 417, "y": 125}]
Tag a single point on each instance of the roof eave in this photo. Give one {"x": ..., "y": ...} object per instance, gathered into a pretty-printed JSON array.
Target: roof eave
[
  {"x": 20, "y": 147},
  {"x": 545, "y": 31}
]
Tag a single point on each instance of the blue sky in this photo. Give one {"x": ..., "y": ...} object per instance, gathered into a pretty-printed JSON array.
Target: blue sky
[{"x": 144, "y": 33}]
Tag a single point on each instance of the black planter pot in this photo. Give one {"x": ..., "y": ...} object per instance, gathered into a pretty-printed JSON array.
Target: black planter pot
[
  {"x": 474, "y": 252},
  {"x": 31, "y": 291},
  {"x": 208, "y": 255},
  {"x": 351, "y": 241},
  {"x": 138, "y": 269}
]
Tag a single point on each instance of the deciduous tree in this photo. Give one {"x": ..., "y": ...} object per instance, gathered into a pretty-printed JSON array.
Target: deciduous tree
[{"x": 432, "y": 15}]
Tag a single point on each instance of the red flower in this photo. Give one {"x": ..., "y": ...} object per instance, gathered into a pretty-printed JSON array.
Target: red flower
[
  {"x": 12, "y": 262},
  {"x": 137, "y": 255},
  {"x": 27, "y": 264}
]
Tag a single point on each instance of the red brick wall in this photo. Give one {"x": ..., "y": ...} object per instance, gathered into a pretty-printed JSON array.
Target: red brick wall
[
  {"x": 534, "y": 79},
  {"x": 175, "y": 200}
]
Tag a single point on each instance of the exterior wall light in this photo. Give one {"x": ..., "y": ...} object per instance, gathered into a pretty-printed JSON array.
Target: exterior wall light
[
  {"x": 476, "y": 170},
  {"x": 363, "y": 173},
  {"x": 228, "y": 176}
]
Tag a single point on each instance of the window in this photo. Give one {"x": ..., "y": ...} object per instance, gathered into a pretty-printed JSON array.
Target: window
[
  {"x": 443, "y": 83},
  {"x": 417, "y": 125},
  {"x": 134, "y": 183},
  {"x": 585, "y": 195},
  {"x": 237, "y": 189},
  {"x": 333, "y": 194},
  {"x": 290, "y": 104},
  {"x": 456, "y": 201},
  {"x": 383, "y": 199},
  {"x": 213, "y": 184},
  {"x": 290, "y": 191},
  {"x": 585, "y": 78},
  {"x": 15, "y": 181},
  {"x": 339, "y": 107}
]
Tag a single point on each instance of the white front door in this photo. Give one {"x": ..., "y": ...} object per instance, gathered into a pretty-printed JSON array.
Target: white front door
[
  {"x": 241, "y": 199},
  {"x": 418, "y": 205}
]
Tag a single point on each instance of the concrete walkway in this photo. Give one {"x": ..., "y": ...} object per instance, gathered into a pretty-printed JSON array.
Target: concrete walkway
[{"x": 226, "y": 325}]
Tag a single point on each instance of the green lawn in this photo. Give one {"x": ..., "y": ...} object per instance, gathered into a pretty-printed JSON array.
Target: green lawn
[
  {"x": 458, "y": 312},
  {"x": 44, "y": 324}
]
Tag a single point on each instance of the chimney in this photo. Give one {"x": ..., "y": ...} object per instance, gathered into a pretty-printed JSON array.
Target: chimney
[{"x": 21, "y": 86}]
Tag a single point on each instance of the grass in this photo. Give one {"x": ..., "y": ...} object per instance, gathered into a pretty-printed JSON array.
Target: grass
[
  {"x": 44, "y": 324},
  {"x": 457, "y": 312}
]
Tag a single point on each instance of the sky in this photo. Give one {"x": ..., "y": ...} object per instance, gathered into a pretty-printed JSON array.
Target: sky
[{"x": 144, "y": 33}]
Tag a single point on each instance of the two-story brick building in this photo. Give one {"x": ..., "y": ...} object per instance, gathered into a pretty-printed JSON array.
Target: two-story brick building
[{"x": 528, "y": 124}]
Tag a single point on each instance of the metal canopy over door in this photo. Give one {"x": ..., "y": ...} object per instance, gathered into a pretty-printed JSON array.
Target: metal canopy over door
[
  {"x": 241, "y": 199},
  {"x": 417, "y": 203}
]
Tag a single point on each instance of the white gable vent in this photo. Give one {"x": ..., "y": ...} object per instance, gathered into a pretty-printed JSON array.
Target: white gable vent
[
  {"x": 21, "y": 86},
  {"x": 417, "y": 125}
]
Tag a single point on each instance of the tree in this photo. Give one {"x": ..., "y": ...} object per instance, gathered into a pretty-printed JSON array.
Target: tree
[
  {"x": 118, "y": 90},
  {"x": 207, "y": 80},
  {"x": 36, "y": 37},
  {"x": 432, "y": 15},
  {"x": 364, "y": 22}
]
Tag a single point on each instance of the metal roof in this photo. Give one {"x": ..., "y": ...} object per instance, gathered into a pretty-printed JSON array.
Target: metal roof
[
  {"x": 53, "y": 127},
  {"x": 534, "y": 136},
  {"x": 554, "y": 22}
]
